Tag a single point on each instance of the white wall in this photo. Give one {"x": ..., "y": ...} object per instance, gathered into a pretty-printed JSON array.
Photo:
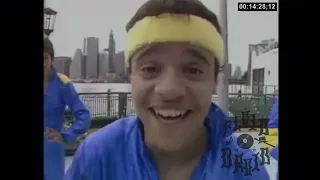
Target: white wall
[{"x": 270, "y": 62}]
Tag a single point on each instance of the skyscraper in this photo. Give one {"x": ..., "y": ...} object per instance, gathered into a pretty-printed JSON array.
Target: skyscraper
[
  {"x": 62, "y": 64},
  {"x": 119, "y": 64},
  {"x": 103, "y": 63},
  {"x": 112, "y": 52},
  {"x": 77, "y": 68},
  {"x": 91, "y": 55}
]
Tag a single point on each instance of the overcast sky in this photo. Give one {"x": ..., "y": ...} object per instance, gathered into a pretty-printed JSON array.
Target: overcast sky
[{"x": 78, "y": 19}]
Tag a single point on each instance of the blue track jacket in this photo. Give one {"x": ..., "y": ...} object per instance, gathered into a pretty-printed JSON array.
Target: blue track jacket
[
  {"x": 272, "y": 138},
  {"x": 118, "y": 152},
  {"x": 59, "y": 94}
]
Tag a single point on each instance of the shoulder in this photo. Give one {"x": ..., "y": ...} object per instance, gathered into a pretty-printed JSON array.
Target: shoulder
[
  {"x": 64, "y": 79},
  {"x": 66, "y": 84},
  {"x": 104, "y": 152},
  {"x": 110, "y": 138}
]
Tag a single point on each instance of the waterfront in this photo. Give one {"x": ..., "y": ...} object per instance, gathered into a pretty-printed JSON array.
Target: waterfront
[
  {"x": 102, "y": 99},
  {"x": 125, "y": 87},
  {"x": 102, "y": 87},
  {"x": 98, "y": 104},
  {"x": 120, "y": 104},
  {"x": 272, "y": 168}
]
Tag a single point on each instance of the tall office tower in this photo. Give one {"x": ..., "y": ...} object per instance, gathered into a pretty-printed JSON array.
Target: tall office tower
[
  {"x": 119, "y": 64},
  {"x": 77, "y": 67},
  {"x": 91, "y": 55},
  {"x": 103, "y": 63},
  {"x": 62, "y": 64},
  {"x": 112, "y": 52}
]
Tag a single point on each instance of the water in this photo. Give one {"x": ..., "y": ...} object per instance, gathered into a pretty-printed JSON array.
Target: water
[
  {"x": 97, "y": 104},
  {"x": 125, "y": 87},
  {"x": 101, "y": 87},
  {"x": 272, "y": 168}
]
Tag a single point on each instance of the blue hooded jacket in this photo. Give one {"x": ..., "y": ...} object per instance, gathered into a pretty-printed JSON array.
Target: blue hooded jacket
[
  {"x": 272, "y": 138},
  {"x": 59, "y": 94},
  {"x": 273, "y": 122},
  {"x": 118, "y": 151}
]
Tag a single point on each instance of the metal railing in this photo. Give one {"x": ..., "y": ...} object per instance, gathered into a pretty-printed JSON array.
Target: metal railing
[
  {"x": 249, "y": 89},
  {"x": 116, "y": 105}
]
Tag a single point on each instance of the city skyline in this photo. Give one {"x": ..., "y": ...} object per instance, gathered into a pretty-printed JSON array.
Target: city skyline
[
  {"x": 98, "y": 64},
  {"x": 78, "y": 19},
  {"x": 89, "y": 63}
]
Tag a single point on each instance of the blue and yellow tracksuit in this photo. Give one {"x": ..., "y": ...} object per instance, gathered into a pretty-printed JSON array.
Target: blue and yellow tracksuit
[
  {"x": 272, "y": 138},
  {"x": 118, "y": 152},
  {"x": 61, "y": 93}
]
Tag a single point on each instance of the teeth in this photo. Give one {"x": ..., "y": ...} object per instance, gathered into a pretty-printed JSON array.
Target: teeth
[{"x": 170, "y": 113}]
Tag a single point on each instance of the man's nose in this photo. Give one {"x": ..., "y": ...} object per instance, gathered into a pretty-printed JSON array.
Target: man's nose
[{"x": 171, "y": 87}]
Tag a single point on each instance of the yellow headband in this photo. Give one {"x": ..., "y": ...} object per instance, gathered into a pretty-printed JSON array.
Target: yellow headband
[{"x": 175, "y": 28}]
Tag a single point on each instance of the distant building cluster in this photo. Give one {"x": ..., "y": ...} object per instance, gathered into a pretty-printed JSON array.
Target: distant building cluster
[
  {"x": 92, "y": 64},
  {"x": 62, "y": 64}
]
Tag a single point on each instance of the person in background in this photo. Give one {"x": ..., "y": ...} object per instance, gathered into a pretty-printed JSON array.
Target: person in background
[
  {"x": 174, "y": 53},
  {"x": 272, "y": 138},
  {"x": 59, "y": 93}
]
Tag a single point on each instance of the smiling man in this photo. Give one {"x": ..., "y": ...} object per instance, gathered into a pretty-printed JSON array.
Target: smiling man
[{"x": 174, "y": 52}]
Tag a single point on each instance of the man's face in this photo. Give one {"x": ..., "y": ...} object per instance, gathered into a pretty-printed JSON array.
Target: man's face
[
  {"x": 47, "y": 61},
  {"x": 172, "y": 85}
]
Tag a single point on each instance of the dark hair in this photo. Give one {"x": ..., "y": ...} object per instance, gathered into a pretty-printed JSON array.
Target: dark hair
[
  {"x": 48, "y": 47},
  {"x": 187, "y": 7}
]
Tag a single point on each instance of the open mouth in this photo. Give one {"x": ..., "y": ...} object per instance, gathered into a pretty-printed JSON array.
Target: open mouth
[{"x": 170, "y": 115}]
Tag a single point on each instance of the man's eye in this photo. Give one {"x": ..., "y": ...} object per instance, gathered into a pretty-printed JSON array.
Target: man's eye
[
  {"x": 194, "y": 71},
  {"x": 149, "y": 69}
]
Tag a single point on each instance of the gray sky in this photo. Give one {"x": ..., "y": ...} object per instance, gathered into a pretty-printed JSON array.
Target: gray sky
[{"x": 78, "y": 19}]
